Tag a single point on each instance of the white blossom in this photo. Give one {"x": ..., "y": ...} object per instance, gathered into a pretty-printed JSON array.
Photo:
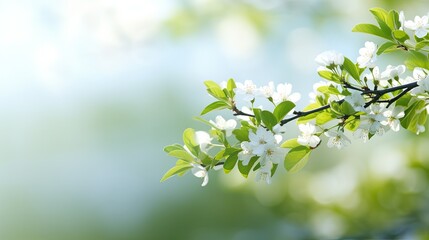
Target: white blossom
[
  {"x": 391, "y": 72},
  {"x": 200, "y": 172},
  {"x": 329, "y": 58},
  {"x": 368, "y": 55},
  {"x": 362, "y": 133},
  {"x": 203, "y": 139},
  {"x": 356, "y": 100},
  {"x": 308, "y": 137},
  {"x": 337, "y": 139},
  {"x": 273, "y": 153},
  {"x": 372, "y": 120},
  {"x": 264, "y": 173},
  {"x": 422, "y": 81},
  {"x": 420, "y": 26},
  {"x": 248, "y": 89},
  {"x": 227, "y": 125},
  {"x": 268, "y": 90},
  {"x": 393, "y": 114},
  {"x": 284, "y": 93},
  {"x": 262, "y": 138},
  {"x": 420, "y": 129},
  {"x": 246, "y": 154}
]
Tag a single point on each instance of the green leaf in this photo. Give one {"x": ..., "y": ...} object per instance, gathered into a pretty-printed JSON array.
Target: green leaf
[
  {"x": 422, "y": 44},
  {"x": 178, "y": 169},
  {"x": 412, "y": 115},
  {"x": 351, "y": 68},
  {"x": 347, "y": 108},
  {"x": 173, "y": 147},
  {"x": 291, "y": 143},
  {"x": 230, "y": 163},
  {"x": 352, "y": 123},
  {"x": 215, "y": 106},
  {"x": 324, "y": 117},
  {"x": 190, "y": 142},
  {"x": 282, "y": 109},
  {"x": 383, "y": 19},
  {"x": 244, "y": 170},
  {"x": 268, "y": 119},
  {"x": 387, "y": 47},
  {"x": 297, "y": 158},
  {"x": 329, "y": 90},
  {"x": 215, "y": 90},
  {"x": 371, "y": 29},
  {"x": 328, "y": 75},
  {"x": 182, "y": 154},
  {"x": 231, "y": 85},
  {"x": 400, "y": 35},
  {"x": 393, "y": 20},
  {"x": 417, "y": 59},
  {"x": 242, "y": 134},
  {"x": 257, "y": 113}
]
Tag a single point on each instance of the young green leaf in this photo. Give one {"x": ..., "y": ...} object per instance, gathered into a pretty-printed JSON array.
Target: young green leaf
[
  {"x": 245, "y": 169},
  {"x": 178, "y": 169},
  {"x": 291, "y": 143},
  {"x": 218, "y": 105},
  {"x": 215, "y": 90},
  {"x": 182, "y": 154},
  {"x": 282, "y": 109},
  {"x": 190, "y": 142},
  {"x": 351, "y": 68},
  {"x": 387, "y": 47},
  {"x": 268, "y": 119},
  {"x": 297, "y": 158},
  {"x": 371, "y": 29},
  {"x": 329, "y": 76},
  {"x": 173, "y": 147},
  {"x": 230, "y": 163}
]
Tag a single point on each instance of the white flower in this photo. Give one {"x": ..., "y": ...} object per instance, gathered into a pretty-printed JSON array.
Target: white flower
[
  {"x": 362, "y": 133},
  {"x": 284, "y": 93},
  {"x": 420, "y": 26},
  {"x": 329, "y": 58},
  {"x": 248, "y": 89},
  {"x": 422, "y": 81},
  {"x": 260, "y": 139},
  {"x": 372, "y": 120},
  {"x": 393, "y": 114},
  {"x": 367, "y": 56},
  {"x": 273, "y": 153},
  {"x": 356, "y": 100},
  {"x": 420, "y": 129},
  {"x": 222, "y": 124},
  {"x": 200, "y": 172},
  {"x": 264, "y": 172},
  {"x": 307, "y": 137},
  {"x": 337, "y": 139},
  {"x": 268, "y": 90},
  {"x": 391, "y": 72},
  {"x": 419, "y": 73},
  {"x": 246, "y": 154},
  {"x": 203, "y": 139}
]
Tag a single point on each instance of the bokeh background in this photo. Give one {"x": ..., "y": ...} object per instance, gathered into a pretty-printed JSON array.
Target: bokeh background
[{"x": 92, "y": 90}]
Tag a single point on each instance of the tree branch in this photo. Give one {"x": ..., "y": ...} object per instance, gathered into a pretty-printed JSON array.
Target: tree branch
[{"x": 377, "y": 94}]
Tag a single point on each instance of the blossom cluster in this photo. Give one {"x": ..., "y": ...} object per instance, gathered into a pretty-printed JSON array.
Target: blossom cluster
[{"x": 359, "y": 99}]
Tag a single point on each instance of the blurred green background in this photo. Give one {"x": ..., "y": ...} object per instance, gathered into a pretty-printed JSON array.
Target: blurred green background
[{"x": 92, "y": 90}]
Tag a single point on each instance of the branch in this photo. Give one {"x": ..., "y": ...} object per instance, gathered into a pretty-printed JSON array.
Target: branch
[{"x": 377, "y": 95}]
